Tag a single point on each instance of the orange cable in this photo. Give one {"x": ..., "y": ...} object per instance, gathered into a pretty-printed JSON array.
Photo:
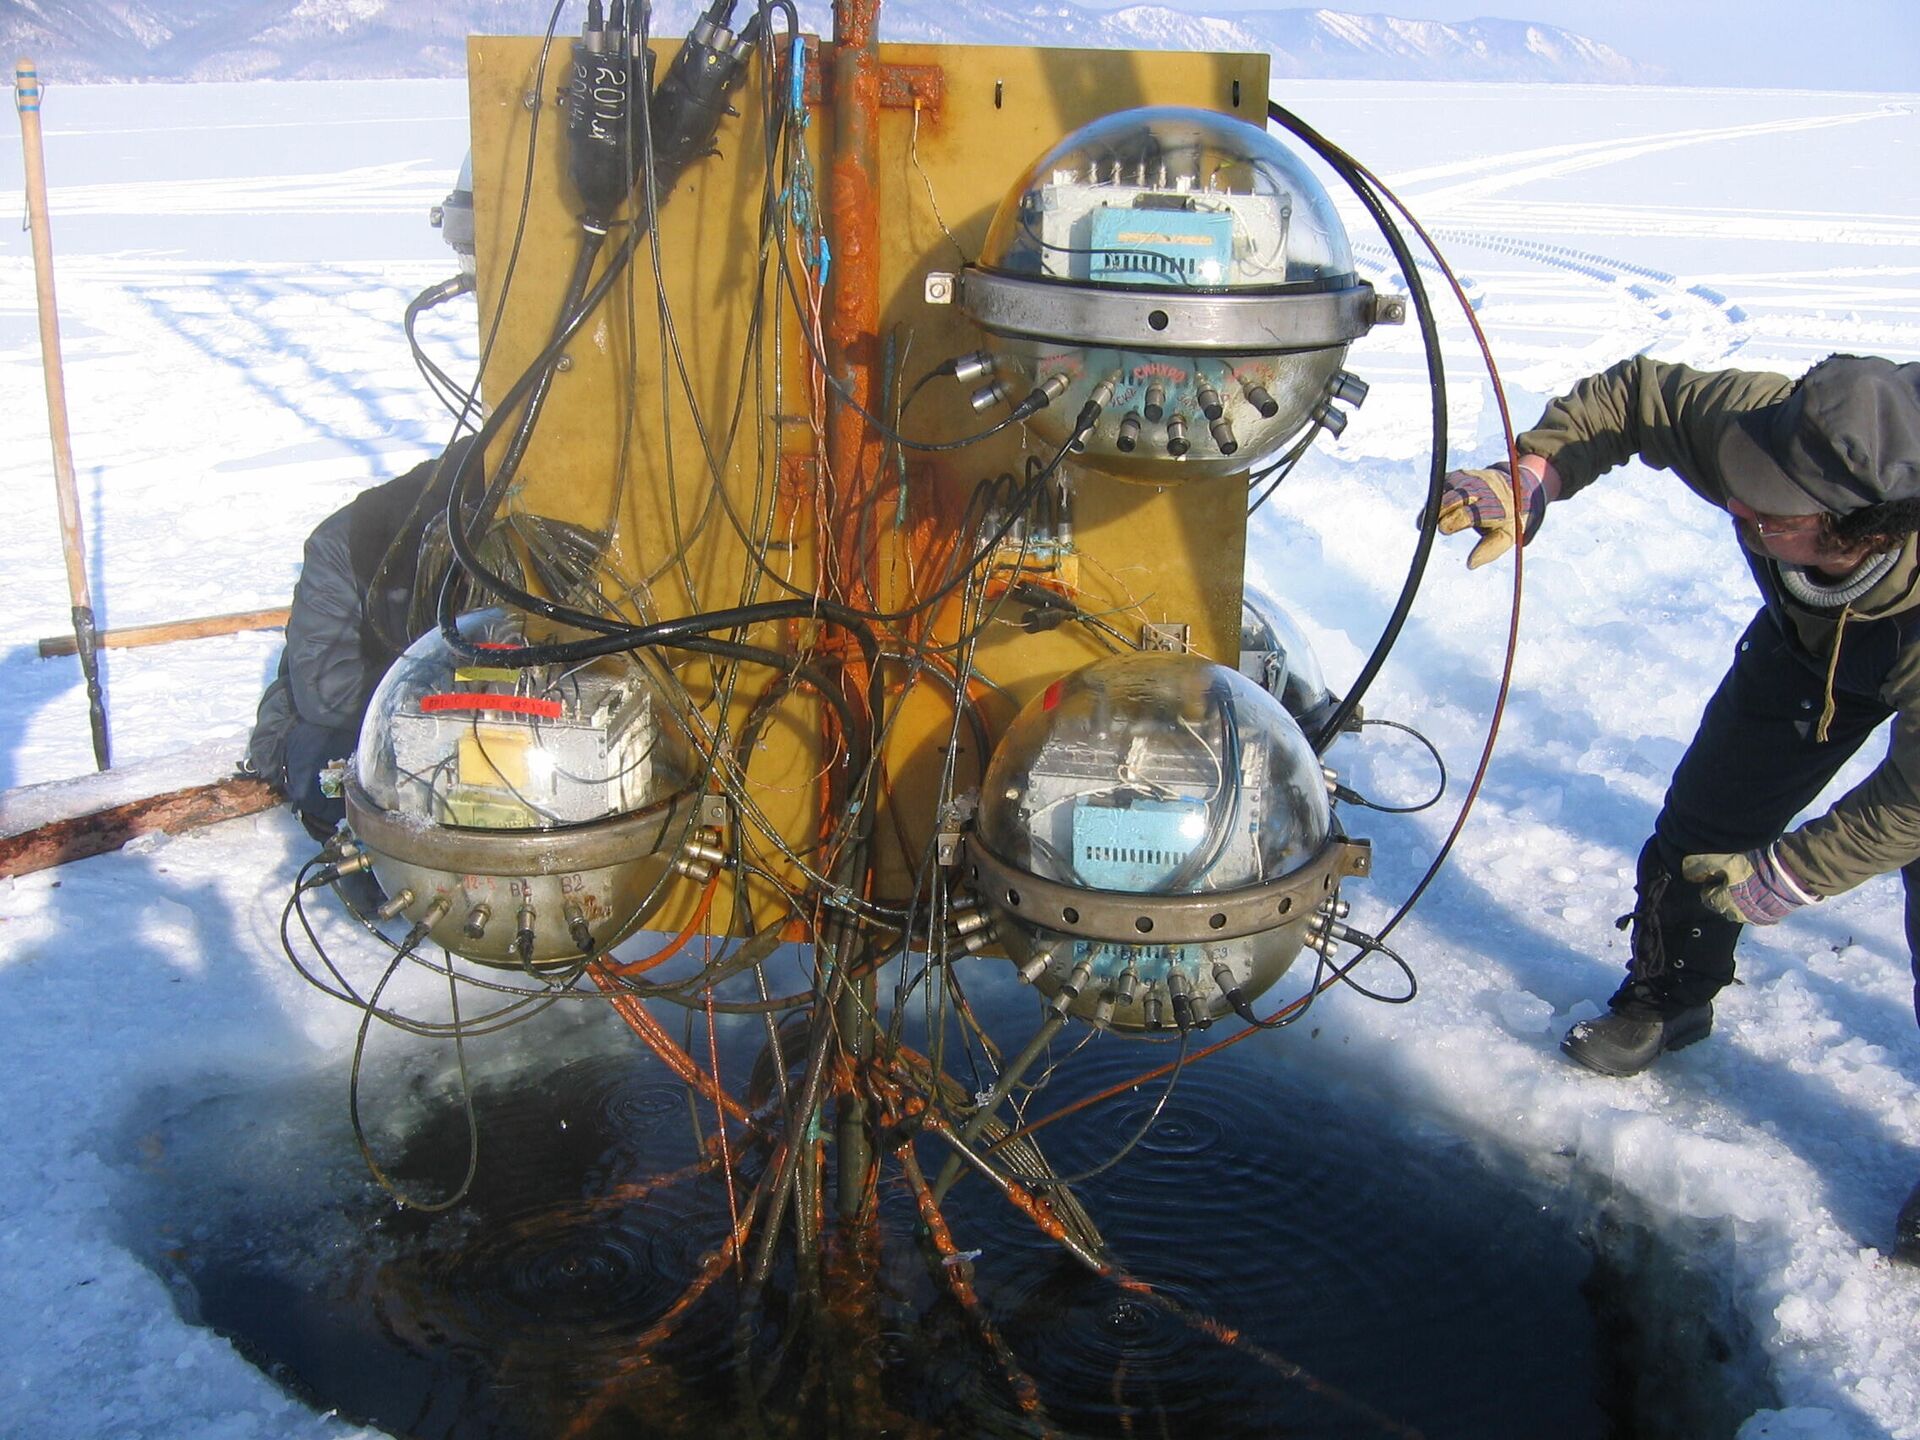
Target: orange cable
[
  {"x": 713, "y": 1063},
  {"x": 640, "y": 1020},
  {"x": 673, "y": 946}
]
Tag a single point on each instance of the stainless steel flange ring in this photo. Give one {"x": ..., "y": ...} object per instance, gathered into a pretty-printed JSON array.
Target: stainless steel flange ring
[
  {"x": 1243, "y": 323},
  {"x": 1120, "y": 918}
]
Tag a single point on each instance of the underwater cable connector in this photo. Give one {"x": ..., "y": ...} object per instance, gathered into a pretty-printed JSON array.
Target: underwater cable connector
[
  {"x": 694, "y": 94},
  {"x": 601, "y": 154}
]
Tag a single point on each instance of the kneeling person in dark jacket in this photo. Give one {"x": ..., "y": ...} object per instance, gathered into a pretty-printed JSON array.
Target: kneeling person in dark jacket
[{"x": 359, "y": 600}]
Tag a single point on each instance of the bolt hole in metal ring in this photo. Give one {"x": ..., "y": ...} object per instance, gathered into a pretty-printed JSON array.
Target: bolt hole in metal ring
[
  {"x": 1119, "y": 918},
  {"x": 1310, "y": 317}
]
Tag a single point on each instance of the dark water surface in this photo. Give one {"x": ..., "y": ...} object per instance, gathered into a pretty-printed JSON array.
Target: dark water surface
[{"x": 1383, "y": 1269}]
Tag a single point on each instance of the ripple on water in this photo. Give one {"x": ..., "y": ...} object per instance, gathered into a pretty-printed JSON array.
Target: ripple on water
[
  {"x": 568, "y": 1252},
  {"x": 1347, "y": 1247}
]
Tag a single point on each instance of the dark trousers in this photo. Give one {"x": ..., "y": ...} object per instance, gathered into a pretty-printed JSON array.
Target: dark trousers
[{"x": 1753, "y": 765}]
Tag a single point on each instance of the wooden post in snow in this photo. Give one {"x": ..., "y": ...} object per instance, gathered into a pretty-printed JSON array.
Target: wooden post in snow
[{"x": 26, "y": 99}]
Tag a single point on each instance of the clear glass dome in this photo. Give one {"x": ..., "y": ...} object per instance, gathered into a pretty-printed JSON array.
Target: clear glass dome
[
  {"x": 456, "y": 742},
  {"x": 1154, "y": 774},
  {"x": 1277, "y": 656},
  {"x": 1150, "y": 776},
  {"x": 1169, "y": 195},
  {"x": 1185, "y": 274}
]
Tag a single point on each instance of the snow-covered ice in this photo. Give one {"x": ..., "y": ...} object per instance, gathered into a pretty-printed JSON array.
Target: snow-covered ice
[{"x": 233, "y": 264}]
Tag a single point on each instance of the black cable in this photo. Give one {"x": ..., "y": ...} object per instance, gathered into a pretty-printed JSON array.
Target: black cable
[
  {"x": 1049, "y": 609},
  {"x": 533, "y": 382},
  {"x": 510, "y": 268},
  {"x": 462, "y": 421},
  {"x": 387, "y": 1183},
  {"x": 1221, "y": 806},
  {"x": 618, "y": 637},
  {"x": 1345, "y": 167},
  {"x": 287, "y": 912},
  {"x": 1342, "y": 974},
  {"x": 1354, "y": 797},
  {"x": 775, "y": 142},
  {"x": 445, "y": 388},
  {"x": 1054, "y": 1182},
  {"x": 575, "y": 314},
  {"x": 795, "y": 666},
  {"x": 1237, "y": 999},
  {"x": 1281, "y": 468},
  {"x": 1369, "y": 944},
  {"x": 464, "y": 534},
  {"x": 528, "y": 1003}
]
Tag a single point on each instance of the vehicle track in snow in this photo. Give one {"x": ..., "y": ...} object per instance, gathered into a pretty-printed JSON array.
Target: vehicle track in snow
[
  {"x": 1467, "y": 205},
  {"x": 1483, "y": 176},
  {"x": 1682, "y": 316}
]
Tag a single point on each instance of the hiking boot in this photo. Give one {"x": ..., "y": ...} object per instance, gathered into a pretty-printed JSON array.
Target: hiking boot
[
  {"x": 1906, "y": 1230},
  {"x": 1682, "y": 954},
  {"x": 1617, "y": 1044}
]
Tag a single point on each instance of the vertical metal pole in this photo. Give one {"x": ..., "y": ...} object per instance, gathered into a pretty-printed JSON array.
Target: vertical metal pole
[
  {"x": 26, "y": 99},
  {"x": 852, "y": 339}
]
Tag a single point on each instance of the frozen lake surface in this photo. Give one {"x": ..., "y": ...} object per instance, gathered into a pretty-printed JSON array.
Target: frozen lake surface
[{"x": 233, "y": 262}]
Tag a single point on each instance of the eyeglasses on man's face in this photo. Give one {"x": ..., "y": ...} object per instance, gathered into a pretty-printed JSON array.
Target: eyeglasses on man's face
[{"x": 1777, "y": 526}]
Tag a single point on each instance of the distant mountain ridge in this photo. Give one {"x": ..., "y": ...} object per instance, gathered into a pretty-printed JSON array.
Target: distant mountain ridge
[{"x": 110, "y": 40}]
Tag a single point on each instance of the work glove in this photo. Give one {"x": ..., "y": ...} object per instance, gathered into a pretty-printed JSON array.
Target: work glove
[
  {"x": 1484, "y": 500},
  {"x": 1751, "y": 889}
]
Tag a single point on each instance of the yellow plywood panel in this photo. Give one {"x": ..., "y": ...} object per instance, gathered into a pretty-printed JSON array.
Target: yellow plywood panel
[{"x": 687, "y": 419}]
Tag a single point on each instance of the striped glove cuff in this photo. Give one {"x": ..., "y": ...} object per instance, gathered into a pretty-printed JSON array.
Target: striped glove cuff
[{"x": 1770, "y": 892}]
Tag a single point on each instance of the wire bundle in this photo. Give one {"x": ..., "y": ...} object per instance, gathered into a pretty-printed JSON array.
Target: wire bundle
[{"x": 901, "y": 600}]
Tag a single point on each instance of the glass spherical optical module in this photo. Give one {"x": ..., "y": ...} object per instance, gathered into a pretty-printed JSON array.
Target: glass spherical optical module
[
  {"x": 1184, "y": 271},
  {"x": 1154, "y": 842},
  {"x": 526, "y": 815},
  {"x": 1277, "y": 656}
]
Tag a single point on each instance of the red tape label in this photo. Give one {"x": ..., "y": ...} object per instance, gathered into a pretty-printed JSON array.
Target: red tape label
[{"x": 511, "y": 704}]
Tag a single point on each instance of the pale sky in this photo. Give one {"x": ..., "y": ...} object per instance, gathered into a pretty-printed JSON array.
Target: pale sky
[{"x": 1817, "y": 44}]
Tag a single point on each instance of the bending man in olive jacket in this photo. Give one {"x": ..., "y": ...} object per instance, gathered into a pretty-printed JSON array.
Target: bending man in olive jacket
[{"x": 1822, "y": 479}]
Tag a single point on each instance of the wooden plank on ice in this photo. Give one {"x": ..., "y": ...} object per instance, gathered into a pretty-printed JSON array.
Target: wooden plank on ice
[
  {"x": 47, "y": 825},
  {"x": 104, "y": 830}
]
